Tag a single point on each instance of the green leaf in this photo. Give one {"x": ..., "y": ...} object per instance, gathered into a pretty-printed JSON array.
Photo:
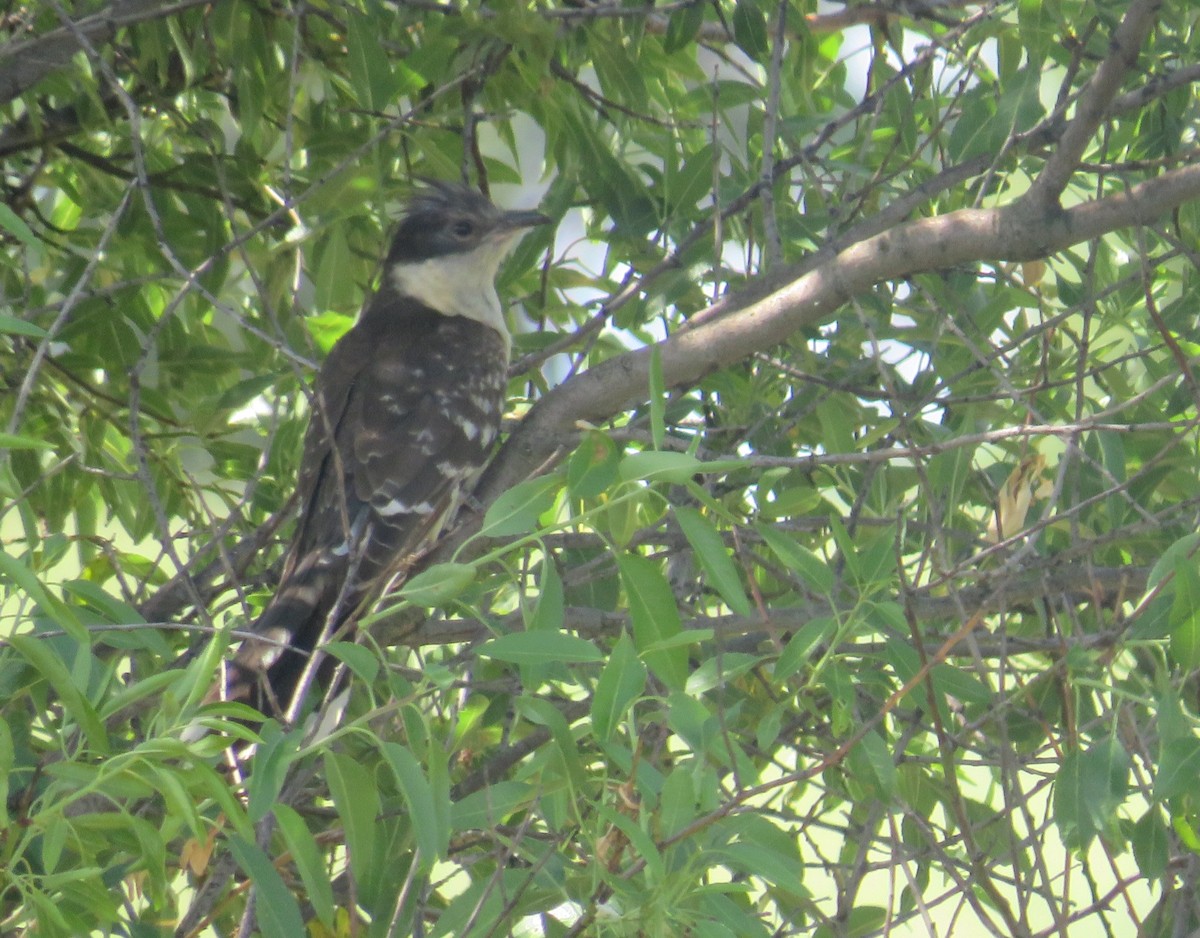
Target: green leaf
[
  {"x": 278, "y": 914},
  {"x": 491, "y": 806},
  {"x": 682, "y": 27},
  {"x": 438, "y": 585},
  {"x": 362, "y": 661},
  {"x": 760, "y": 860},
  {"x": 800, "y": 647},
  {"x": 56, "y": 831},
  {"x": 620, "y": 77},
  {"x": 807, "y": 565},
  {"x": 75, "y": 705},
  {"x": 694, "y": 180},
  {"x": 333, "y": 287},
  {"x": 1036, "y": 28},
  {"x": 204, "y": 781},
  {"x": 978, "y": 129},
  {"x": 621, "y": 682},
  {"x": 179, "y": 801},
  {"x": 1178, "y": 552},
  {"x": 103, "y": 603},
  {"x": 1178, "y": 769},
  {"x": 1185, "y": 616},
  {"x": 309, "y": 862},
  {"x": 593, "y": 466},
  {"x": 357, "y": 801},
  {"x": 641, "y": 842},
  {"x": 659, "y": 466},
  {"x": 655, "y": 619},
  {"x": 1151, "y": 844},
  {"x": 275, "y": 754},
  {"x": 326, "y": 328},
  {"x": 14, "y": 326},
  {"x": 1089, "y": 789},
  {"x": 517, "y": 511},
  {"x": 548, "y": 614},
  {"x": 7, "y": 760},
  {"x": 750, "y": 30},
  {"x": 433, "y": 838},
  {"x": 26, "y": 581},
  {"x": 370, "y": 72},
  {"x": 677, "y": 803},
  {"x": 147, "y": 687},
  {"x": 15, "y": 225},
  {"x": 878, "y": 757},
  {"x": 720, "y": 671},
  {"x": 540, "y": 648},
  {"x": 544, "y": 713},
  {"x": 714, "y": 559}
]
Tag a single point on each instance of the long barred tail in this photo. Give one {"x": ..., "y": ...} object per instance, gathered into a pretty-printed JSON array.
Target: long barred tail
[
  {"x": 264, "y": 672},
  {"x": 313, "y": 599}
]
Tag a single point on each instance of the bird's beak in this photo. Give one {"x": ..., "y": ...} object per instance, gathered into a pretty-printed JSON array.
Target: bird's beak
[{"x": 513, "y": 221}]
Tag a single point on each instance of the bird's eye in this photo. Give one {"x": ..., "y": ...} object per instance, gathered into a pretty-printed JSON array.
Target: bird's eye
[{"x": 463, "y": 229}]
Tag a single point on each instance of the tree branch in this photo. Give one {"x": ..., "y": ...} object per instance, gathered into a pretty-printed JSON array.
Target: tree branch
[
  {"x": 1093, "y": 103},
  {"x": 24, "y": 64},
  {"x": 745, "y": 323},
  {"x": 1021, "y": 590}
]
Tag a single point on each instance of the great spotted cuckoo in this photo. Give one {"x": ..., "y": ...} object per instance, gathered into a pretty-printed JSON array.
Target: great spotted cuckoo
[{"x": 405, "y": 411}]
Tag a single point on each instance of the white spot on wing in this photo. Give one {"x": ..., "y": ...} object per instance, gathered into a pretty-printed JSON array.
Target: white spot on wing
[
  {"x": 398, "y": 506},
  {"x": 469, "y": 428}
]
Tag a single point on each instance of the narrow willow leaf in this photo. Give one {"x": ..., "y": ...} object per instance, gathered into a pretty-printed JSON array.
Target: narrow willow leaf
[
  {"x": 659, "y": 466},
  {"x": 15, "y": 326},
  {"x": 621, "y": 682},
  {"x": 548, "y": 614},
  {"x": 26, "y": 580},
  {"x": 807, "y": 565},
  {"x": 484, "y": 809},
  {"x": 1185, "y": 616},
  {"x": 7, "y": 760},
  {"x": 15, "y": 225},
  {"x": 750, "y": 30},
  {"x": 309, "y": 862},
  {"x": 517, "y": 511},
  {"x": 655, "y": 618},
  {"x": 641, "y": 842},
  {"x": 75, "y": 705},
  {"x": 1151, "y": 844},
  {"x": 362, "y": 661},
  {"x": 438, "y": 585},
  {"x": 1178, "y": 769},
  {"x": 357, "y": 802},
  {"x": 278, "y": 914},
  {"x": 370, "y": 73},
  {"x": 540, "y": 648},
  {"x": 432, "y": 836},
  {"x": 714, "y": 559},
  {"x": 16, "y": 441},
  {"x": 593, "y": 466}
]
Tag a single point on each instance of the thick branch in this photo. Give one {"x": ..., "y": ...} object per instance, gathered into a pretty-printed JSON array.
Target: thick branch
[
  {"x": 1093, "y": 103},
  {"x": 1024, "y": 230},
  {"x": 24, "y": 64}
]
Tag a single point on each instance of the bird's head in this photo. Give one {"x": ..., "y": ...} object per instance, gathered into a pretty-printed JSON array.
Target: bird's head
[
  {"x": 445, "y": 219},
  {"x": 448, "y": 249}
]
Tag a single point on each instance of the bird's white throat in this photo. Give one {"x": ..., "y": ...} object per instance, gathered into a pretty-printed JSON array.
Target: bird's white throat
[{"x": 457, "y": 284}]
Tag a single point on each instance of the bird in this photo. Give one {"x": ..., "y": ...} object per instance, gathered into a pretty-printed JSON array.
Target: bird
[{"x": 404, "y": 413}]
